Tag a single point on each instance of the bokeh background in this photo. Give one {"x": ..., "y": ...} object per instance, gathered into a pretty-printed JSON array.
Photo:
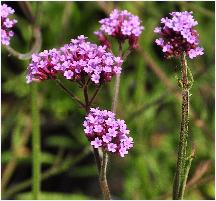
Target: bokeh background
[{"x": 149, "y": 102}]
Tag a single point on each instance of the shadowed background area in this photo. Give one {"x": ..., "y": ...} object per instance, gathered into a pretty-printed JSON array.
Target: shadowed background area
[{"x": 149, "y": 102}]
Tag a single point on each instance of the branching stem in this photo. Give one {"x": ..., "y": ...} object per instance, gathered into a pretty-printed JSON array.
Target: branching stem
[
  {"x": 70, "y": 93},
  {"x": 95, "y": 94}
]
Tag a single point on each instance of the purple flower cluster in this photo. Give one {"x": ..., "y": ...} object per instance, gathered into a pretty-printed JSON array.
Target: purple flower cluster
[
  {"x": 6, "y": 24},
  {"x": 122, "y": 25},
  {"x": 178, "y": 36},
  {"x": 73, "y": 61},
  {"x": 107, "y": 132}
]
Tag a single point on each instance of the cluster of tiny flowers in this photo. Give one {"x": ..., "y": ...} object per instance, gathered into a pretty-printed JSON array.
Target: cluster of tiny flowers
[
  {"x": 178, "y": 36},
  {"x": 6, "y": 24},
  {"x": 105, "y": 131},
  {"x": 73, "y": 61},
  {"x": 122, "y": 25}
]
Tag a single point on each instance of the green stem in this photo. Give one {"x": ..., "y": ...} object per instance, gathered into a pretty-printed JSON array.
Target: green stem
[
  {"x": 117, "y": 84},
  {"x": 97, "y": 158},
  {"x": 95, "y": 94},
  {"x": 35, "y": 142},
  {"x": 181, "y": 168},
  {"x": 187, "y": 169},
  {"x": 116, "y": 93},
  {"x": 69, "y": 93},
  {"x": 103, "y": 179},
  {"x": 85, "y": 91}
]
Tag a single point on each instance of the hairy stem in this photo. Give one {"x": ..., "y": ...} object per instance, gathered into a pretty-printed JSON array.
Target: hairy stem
[
  {"x": 102, "y": 179},
  {"x": 187, "y": 169},
  {"x": 116, "y": 93},
  {"x": 182, "y": 167},
  {"x": 117, "y": 85},
  {"x": 35, "y": 142}
]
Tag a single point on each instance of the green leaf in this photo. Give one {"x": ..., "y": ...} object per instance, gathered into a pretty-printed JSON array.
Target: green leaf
[
  {"x": 209, "y": 189},
  {"x": 5, "y": 157}
]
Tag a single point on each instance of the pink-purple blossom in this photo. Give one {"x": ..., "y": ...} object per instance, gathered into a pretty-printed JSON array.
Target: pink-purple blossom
[
  {"x": 121, "y": 25},
  {"x": 6, "y": 24},
  {"x": 178, "y": 35},
  {"x": 104, "y": 131},
  {"x": 74, "y": 61}
]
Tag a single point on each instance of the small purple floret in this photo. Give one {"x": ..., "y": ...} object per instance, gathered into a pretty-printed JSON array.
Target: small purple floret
[
  {"x": 6, "y": 24},
  {"x": 96, "y": 143}
]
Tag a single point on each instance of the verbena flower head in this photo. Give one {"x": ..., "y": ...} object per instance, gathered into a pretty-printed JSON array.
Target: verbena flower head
[
  {"x": 104, "y": 131},
  {"x": 122, "y": 25},
  {"x": 6, "y": 24},
  {"x": 74, "y": 61},
  {"x": 178, "y": 35}
]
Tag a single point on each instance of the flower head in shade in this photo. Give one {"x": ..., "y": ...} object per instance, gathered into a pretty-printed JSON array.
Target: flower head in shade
[
  {"x": 178, "y": 35},
  {"x": 74, "y": 61},
  {"x": 6, "y": 24},
  {"x": 42, "y": 66},
  {"x": 122, "y": 25},
  {"x": 103, "y": 130}
]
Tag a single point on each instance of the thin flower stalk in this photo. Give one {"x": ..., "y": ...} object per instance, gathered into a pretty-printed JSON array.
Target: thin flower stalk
[
  {"x": 123, "y": 26},
  {"x": 35, "y": 142},
  {"x": 99, "y": 162},
  {"x": 111, "y": 135},
  {"x": 103, "y": 179},
  {"x": 117, "y": 84}
]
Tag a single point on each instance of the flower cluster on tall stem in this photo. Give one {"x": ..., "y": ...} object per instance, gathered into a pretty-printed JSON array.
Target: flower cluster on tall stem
[
  {"x": 123, "y": 26},
  {"x": 179, "y": 40}
]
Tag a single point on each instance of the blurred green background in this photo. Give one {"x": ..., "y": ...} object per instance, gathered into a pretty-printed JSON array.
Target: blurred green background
[{"x": 149, "y": 102}]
